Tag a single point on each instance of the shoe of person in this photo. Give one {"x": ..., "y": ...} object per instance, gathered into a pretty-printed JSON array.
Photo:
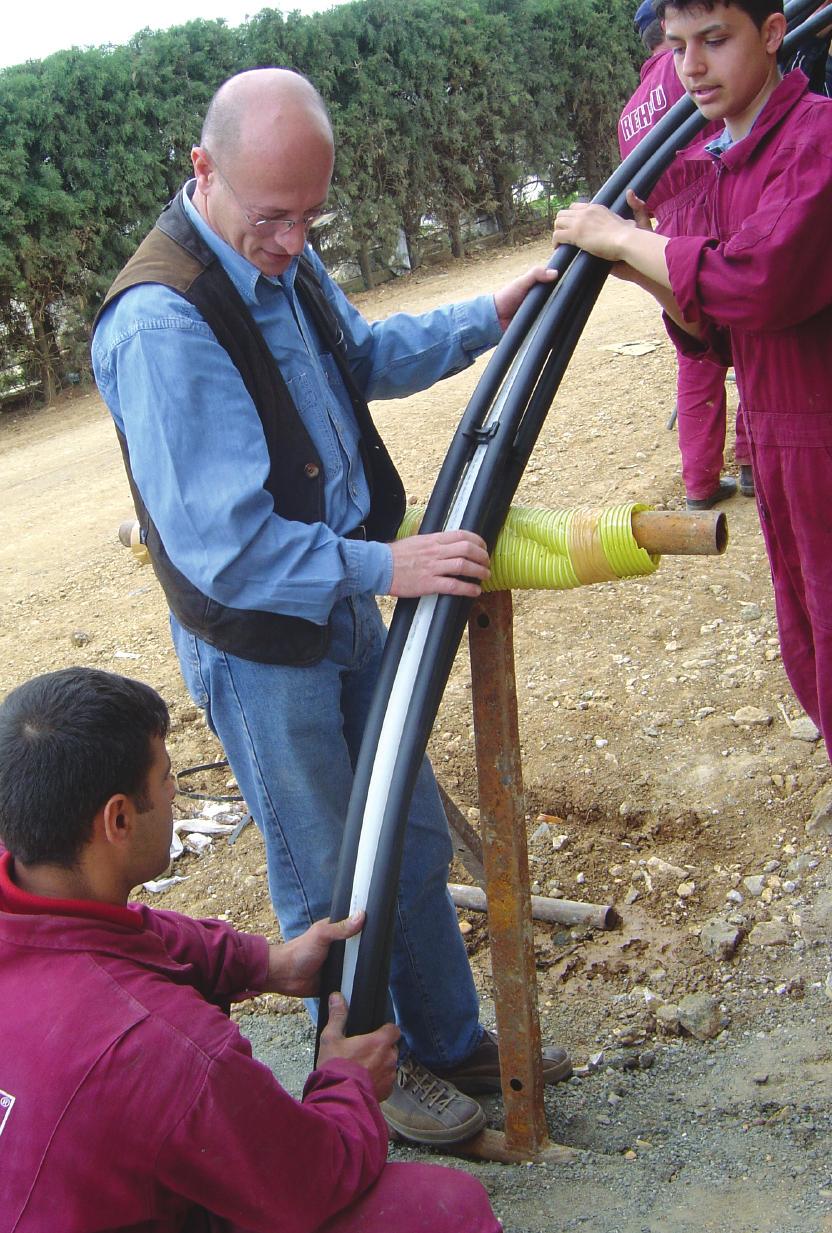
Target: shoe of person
[
  {"x": 746, "y": 480},
  {"x": 479, "y": 1072},
  {"x": 423, "y": 1108},
  {"x": 727, "y": 488}
]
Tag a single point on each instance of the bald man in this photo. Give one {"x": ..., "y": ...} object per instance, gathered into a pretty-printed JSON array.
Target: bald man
[{"x": 238, "y": 375}]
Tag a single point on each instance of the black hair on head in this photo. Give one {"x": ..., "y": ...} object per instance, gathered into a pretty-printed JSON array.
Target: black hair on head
[
  {"x": 757, "y": 10},
  {"x": 69, "y": 740}
]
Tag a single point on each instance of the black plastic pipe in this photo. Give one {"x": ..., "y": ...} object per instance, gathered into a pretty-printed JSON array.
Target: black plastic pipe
[{"x": 555, "y": 318}]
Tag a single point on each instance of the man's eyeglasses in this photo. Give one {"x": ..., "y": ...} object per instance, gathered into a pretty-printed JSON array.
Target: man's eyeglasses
[{"x": 281, "y": 225}]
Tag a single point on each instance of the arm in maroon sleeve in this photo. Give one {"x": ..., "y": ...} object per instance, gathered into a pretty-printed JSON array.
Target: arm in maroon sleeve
[
  {"x": 215, "y": 958},
  {"x": 775, "y": 271},
  {"x": 713, "y": 344},
  {"x": 246, "y": 1151}
]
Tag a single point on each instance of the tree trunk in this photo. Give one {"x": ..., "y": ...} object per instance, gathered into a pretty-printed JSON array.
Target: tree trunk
[
  {"x": 505, "y": 213},
  {"x": 364, "y": 266},
  {"x": 455, "y": 234},
  {"x": 44, "y": 357}
]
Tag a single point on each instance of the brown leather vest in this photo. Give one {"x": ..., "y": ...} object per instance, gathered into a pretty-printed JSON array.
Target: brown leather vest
[{"x": 174, "y": 255}]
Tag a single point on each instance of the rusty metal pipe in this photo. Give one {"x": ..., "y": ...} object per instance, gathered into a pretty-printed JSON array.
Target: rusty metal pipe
[
  {"x": 503, "y": 832},
  {"x": 682, "y": 533},
  {"x": 552, "y": 911}
]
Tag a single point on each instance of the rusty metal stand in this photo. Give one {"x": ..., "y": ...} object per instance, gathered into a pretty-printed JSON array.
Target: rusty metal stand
[{"x": 505, "y": 857}]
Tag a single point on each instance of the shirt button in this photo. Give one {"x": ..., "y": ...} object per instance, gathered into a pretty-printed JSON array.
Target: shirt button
[{"x": 312, "y": 470}]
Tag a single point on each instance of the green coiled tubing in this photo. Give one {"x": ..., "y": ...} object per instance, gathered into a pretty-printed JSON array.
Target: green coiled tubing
[{"x": 558, "y": 549}]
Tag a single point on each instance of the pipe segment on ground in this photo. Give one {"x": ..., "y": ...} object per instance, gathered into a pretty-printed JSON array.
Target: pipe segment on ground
[{"x": 474, "y": 489}]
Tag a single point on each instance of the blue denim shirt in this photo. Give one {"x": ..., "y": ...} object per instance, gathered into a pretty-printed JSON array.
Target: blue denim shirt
[{"x": 197, "y": 448}]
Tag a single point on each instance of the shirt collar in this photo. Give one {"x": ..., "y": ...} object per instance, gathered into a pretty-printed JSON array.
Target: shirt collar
[
  {"x": 245, "y": 276},
  {"x": 720, "y": 143},
  {"x": 787, "y": 94},
  {"x": 18, "y": 902},
  {"x": 724, "y": 141}
]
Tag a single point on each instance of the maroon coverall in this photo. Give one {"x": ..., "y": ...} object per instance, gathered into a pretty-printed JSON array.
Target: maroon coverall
[
  {"x": 759, "y": 281},
  {"x": 129, "y": 1100}
]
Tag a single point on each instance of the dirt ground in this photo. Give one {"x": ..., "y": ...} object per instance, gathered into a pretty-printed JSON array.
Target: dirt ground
[{"x": 662, "y": 769}]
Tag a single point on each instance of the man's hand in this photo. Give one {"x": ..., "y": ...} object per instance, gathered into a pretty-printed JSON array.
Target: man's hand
[
  {"x": 294, "y": 967},
  {"x": 377, "y": 1052},
  {"x": 597, "y": 230},
  {"x": 509, "y": 298},
  {"x": 438, "y": 564},
  {"x": 593, "y": 228}
]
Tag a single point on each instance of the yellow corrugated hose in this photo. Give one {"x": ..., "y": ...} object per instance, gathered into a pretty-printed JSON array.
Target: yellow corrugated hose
[{"x": 555, "y": 550}]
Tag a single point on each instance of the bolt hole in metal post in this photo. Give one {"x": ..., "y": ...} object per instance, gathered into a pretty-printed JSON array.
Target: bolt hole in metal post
[{"x": 516, "y": 1084}]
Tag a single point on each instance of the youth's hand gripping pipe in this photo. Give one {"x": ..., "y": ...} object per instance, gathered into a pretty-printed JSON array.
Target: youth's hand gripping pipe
[{"x": 473, "y": 490}]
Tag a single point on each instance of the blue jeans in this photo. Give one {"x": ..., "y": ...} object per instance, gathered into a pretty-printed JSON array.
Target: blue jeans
[{"x": 292, "y": 737}]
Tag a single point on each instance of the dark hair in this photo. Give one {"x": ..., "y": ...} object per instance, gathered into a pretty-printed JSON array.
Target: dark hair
[
  {"x": 69, "y": 740},
  {"x": 652, "y": 36},
  {"x": 757, "y": 10}
]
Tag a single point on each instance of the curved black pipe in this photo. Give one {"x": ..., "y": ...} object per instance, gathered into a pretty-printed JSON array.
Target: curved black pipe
[{"x": 558, "y": 314}]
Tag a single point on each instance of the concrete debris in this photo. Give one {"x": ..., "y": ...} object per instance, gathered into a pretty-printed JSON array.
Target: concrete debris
[
  {"x": 719, "y": 938},
  {"x": 820, "y": 821},
  {"x": 663, "y": 869},
  {"x": 700, "y": 1015},
  {"x": 770, "y": 933},
  {"x": 667, "y": 1019},
  {"x": 804, "y": 729}
]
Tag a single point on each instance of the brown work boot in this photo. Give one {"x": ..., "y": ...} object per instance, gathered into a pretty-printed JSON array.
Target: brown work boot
[
  {"x": 424, "y": 1109},
  {"x": 480, "y": 1071}
]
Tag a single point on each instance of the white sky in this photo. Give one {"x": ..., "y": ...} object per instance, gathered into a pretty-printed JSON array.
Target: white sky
[{"x": 31, "y": 31}]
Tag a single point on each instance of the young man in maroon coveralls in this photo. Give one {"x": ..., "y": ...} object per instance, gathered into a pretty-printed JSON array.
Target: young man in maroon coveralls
[
  {"x": 756, "y": 287},
  {"x": 128, "y": 1098},
  {"x": 700, "y": 384}
]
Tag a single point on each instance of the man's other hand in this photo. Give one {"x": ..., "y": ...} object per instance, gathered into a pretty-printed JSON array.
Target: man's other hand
[
  {"x": 442, "y": 563},
  {"x": 509, "y": 298},
  {"x": 377, "y": 1052},
  {"x": 294, "y": 967}
]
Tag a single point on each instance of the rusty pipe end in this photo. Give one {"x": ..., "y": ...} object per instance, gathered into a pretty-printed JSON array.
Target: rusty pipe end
[{"x": 681, "y": 532}]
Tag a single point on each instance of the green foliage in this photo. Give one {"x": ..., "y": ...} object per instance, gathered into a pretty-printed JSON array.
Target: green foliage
[{"x": 442, "y": 113}]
